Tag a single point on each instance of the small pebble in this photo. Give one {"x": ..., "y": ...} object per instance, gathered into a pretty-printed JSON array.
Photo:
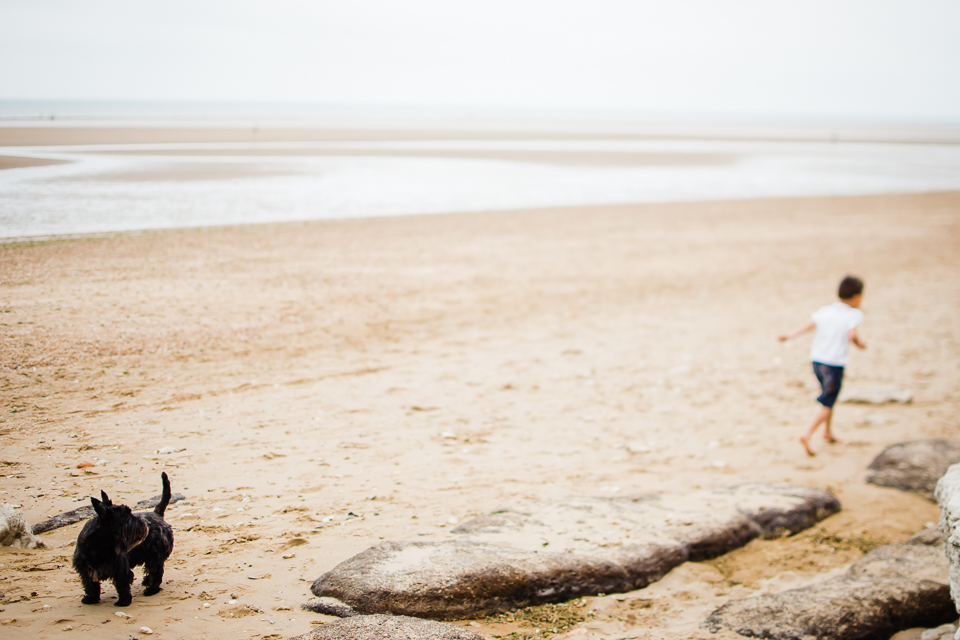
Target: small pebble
[
  {"x": 168, "y": 450},
  {"x": 639, "y": 447},
  {"x": 121, "y": 614},
  {"x": 146, "y": 631}
]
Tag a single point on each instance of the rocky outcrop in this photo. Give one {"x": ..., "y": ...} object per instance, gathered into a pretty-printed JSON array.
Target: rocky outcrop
[
  {"x": 892, "y": 588},
  {"x": 948, "y": 497},
  {"x": 554, "y": 550},
  {"x": 86, "y": 512},
  {"x": 381, "y": 627},
  {"x": 914, "y": 466}
]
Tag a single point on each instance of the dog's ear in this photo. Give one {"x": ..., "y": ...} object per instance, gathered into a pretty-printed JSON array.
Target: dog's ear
[
  {"x": 106, "y": 499},
  {"x": 98, "y": 507}
]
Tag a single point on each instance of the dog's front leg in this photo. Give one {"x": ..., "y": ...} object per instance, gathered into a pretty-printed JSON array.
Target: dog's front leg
[
  {"x": 122, "y": 579},
  {"x": 91, "y": 589}
]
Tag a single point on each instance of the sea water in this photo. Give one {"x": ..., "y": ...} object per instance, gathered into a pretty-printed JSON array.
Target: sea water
[{"x": 100, "y": 188}]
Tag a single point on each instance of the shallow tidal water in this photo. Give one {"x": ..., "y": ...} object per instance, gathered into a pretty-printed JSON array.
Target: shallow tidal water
[{"x": 102, "y": 188}]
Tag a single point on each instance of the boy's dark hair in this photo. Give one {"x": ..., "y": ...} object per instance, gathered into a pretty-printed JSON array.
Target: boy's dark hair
[{"x": 850, "y": 287}]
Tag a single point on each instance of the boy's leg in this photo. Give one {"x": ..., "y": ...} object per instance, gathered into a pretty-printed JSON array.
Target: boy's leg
[
  {"x": 833, "y": 387},
  {"x": 827, "y": 433},
  {"x": 830, "y": 378},
  {"x": 823, "y": 415}
]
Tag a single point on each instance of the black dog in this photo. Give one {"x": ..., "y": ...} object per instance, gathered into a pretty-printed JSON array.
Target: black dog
[{"x": 116, "y": 540}]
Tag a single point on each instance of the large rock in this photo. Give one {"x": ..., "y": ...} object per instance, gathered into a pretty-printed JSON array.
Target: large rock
[
  {"x": 892, "y": 588},
  {"x": 381, "y": 627},
  {"x": 551, "y": 551},
  {"x": 914, "y": 466},
  {"x": 948, "y": 497}
]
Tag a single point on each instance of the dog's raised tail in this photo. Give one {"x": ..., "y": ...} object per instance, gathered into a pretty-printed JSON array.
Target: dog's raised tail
[{"x": 164, "y": 497}]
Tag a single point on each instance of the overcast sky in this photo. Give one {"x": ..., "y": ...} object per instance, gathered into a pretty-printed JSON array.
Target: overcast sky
[{"x": 868, "y": 60}]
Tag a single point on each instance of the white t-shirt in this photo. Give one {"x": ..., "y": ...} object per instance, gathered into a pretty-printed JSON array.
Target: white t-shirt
[{"x": 831, "y": 343}]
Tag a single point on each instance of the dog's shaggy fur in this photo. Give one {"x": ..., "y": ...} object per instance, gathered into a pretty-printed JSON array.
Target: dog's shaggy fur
[
  {"x": 116, "y": 540},
  {"x": 14, "y": 530}
]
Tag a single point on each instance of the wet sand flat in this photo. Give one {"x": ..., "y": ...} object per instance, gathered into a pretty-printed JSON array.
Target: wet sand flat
[
  {"x": 602, "y": 158},
  {"x": 328, "y": 385},
  {"x": 77, "y": 135},
  {"x": 16, "y": 162}
]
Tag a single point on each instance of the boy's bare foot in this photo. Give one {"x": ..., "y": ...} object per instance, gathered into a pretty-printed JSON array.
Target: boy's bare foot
[
  {"x": 830, "y": 439},
  {"x": 806, "y": 445}
]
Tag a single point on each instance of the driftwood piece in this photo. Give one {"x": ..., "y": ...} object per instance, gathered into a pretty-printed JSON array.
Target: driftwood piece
[{"x": 86, "y": 512}]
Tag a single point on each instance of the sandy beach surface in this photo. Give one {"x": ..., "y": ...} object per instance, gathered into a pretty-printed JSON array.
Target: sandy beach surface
[{"x": 328, "y": 385}]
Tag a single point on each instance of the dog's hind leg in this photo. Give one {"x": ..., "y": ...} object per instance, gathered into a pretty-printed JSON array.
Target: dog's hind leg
[
  {"x": 91, "y": 590},
  {"x": 152, "y": 579}
]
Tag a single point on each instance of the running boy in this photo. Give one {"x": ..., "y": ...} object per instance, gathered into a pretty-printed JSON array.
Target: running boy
[{"x": 836, "y": 326}]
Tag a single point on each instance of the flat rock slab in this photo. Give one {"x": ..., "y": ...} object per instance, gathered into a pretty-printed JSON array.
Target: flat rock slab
[
  {"x": 381, "y": 627},
  {"x": 86, "y": 512},
  {"x": 548, "y": 551},
  {"x": 876, "y": 395},
  {"x": 892, "y": 588},
  {"x": 914, "y": 466}
]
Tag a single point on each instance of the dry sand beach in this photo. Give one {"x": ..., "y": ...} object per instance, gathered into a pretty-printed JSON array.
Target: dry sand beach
[{"x": 328, "y": 385}]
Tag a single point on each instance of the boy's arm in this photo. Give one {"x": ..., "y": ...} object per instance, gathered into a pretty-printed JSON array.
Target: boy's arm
[
  {"x": 807, "y": 327},
  {"x": 855, "y": 339}
]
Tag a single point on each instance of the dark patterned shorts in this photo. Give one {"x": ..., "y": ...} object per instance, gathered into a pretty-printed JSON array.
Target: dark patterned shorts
[{"x": 830, "y": 378}]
